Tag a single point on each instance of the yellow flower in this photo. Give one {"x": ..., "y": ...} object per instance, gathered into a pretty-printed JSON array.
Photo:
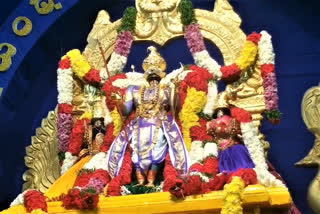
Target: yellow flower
[
  {"x": 193, "y": 104},
  {"x": 79, "y": 64},
  {"x": 117, "y": 121},
  {"x": 86, "y": 115},
  {"x": 38, "y": 211},
  {"x": 232, "y": 202},
  {"x": 248, "y": 56}
]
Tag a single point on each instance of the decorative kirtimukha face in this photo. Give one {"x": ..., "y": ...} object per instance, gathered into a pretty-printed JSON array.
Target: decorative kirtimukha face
[{"x": 157, "y": 5}]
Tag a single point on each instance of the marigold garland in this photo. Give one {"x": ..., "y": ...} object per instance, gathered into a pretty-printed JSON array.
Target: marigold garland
[
  {"x": 79, "y": 64},
  {"x": 193, "y": 105},
  {"x": 232, "y": 201}
]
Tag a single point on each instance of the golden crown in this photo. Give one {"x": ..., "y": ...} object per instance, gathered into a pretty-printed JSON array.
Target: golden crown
[{"x": 154, "y": 63}]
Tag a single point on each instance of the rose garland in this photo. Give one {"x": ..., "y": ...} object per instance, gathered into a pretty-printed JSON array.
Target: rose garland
[
  {"x": 35, "y": 202},
  {"x": 124, "y": 176}
]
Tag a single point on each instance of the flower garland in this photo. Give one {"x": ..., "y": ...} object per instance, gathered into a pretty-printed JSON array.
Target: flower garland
[
  {"x": 35, "y": 202},
  {"x": 251, "y": 140},
  {"x": 193, "y": 104},
  {"x": 75, "y": 141},
  {"x": 77, "y": 199},
  {"x": 193, "y": 93},
  {"x": 256, "y": 44},
  {"x": 65, "y": 96},
  {"x": 124, "y": 176},
  {"x": 233, "y": 196},
  {"x": 266, "y": 57},
  {"x": 88, "y": 185}
]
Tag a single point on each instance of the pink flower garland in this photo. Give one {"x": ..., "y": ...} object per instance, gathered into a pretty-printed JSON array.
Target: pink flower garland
[
  {"x": 270, "y": 86},
  {"x": 194, "y": 38},
  {"x": 64, "y": 131},
  {"x": 65, "y": 88},
  {"x": 124, "y": 43}
]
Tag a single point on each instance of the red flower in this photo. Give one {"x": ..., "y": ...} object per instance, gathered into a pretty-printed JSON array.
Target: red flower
[
  {"x": 65, "y": 108},
  {"x": 175, "y": 186},
  {"x": 218, "y": 182},
  {"x": 249, "y": 176},
  {"x": 241, "y": 115},
  {"x": 83, "y": 179},
  {"x": 102, "y": 175},
  {"x": 200, "y": 132},
  {"x": 193, "y": 185},
  {"x": 230, "y": 73},
  {"x": 108, "y": 138},
  {"x": 267, "y": 69},
  {"x": 111, "y": 90},
  {"x": 254, "y": 37},
  {"x": 93, "y": 77},
  {"x": 198, "y": 79},
  {"x": 75, "y": 199},
  {"x": 169, "y": 170},
  {"x": 183, "y": 92},
  {"x": 114, "y": 187},
  {"x": 196, "y": 167},
  {"x": 76, "y": 137},
  {"x": 33, "y": 200},
  {"x": 65, "y": 63},
  {"x": 126, "y": 169},
  {"x": 211, "y": 166}
]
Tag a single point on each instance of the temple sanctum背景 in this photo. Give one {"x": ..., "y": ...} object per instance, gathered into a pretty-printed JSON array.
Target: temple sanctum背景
[{"x": 155, "y": 140}]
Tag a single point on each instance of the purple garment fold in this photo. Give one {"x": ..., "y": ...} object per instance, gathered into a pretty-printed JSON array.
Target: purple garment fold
[
  {"x": 234, "y": 158},
  {"x": 64, "y": 131}
]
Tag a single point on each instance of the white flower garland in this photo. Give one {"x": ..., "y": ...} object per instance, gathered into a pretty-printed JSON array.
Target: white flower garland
[
  {"x": 203, "y": 59},
  {"x": 252, "y": 142},
  {"x": 19, "y": 200},
  {"x": 98, "y": 161},
  {"x": 116, "y": 64},
  {"x": 65, "y": 86},
  {"x": 196, "y": 151},
  {"x": 68, "y": 162},
  {"x": 266, "y": 53},
  {"x": 211, "y": 98},
  {"x": 210, "y": 150},
  {"x": 107, "y": 115},
  {"x": 133, "y": 78}
]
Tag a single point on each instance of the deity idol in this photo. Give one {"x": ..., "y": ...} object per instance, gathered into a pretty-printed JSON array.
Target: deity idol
[
  {"x": 152, "y": 133},
  {"x": 226, "y": 132}
]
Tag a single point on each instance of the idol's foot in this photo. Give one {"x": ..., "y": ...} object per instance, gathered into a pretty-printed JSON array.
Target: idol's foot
[
  {"x": 138, "y": 185},
  {"x": 141, "y": 179}
]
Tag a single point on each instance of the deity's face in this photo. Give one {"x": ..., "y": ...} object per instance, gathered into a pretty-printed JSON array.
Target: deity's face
[
  {"x": 98, "y": 123},
  {"x": 153, "y": 78},
  {"x": 220, "y": 113}
]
